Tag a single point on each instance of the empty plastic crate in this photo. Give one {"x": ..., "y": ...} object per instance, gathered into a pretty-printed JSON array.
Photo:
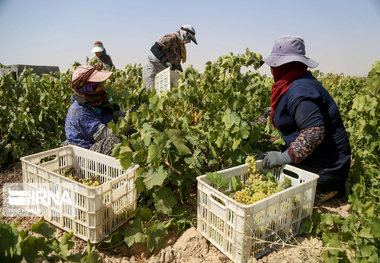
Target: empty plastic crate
[
  {"x": 95, "y": 211},
  {"x": 242, "y": 231},
  {"x": 165, "y": 79}
]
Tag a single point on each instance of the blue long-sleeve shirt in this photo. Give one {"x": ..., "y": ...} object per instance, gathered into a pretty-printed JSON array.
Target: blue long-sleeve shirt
[{"x": 82, "y": 123}]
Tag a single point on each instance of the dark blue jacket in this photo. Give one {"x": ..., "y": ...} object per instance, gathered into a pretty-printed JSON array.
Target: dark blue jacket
[{"x": 308, "y": 104}]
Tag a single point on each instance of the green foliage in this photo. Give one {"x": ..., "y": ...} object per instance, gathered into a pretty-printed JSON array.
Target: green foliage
[
  {"x": 32, "y": 113},
  {"x": 164, "y": 201},
  {"x": 134, "y": 233},
  {"x": 90, "y": 256},
  {"x": 201, "y": 125},
  {"x": 236, "y": 183},
  {"x": 33, "y": 108},
  {"x": 153, "y": 235},
  {"x": 219, "y": 180},
  {"x": 21, "y": 246},
  {"x": 156, "y": 236},
  {"x": 359, "y": 103},
  {"x": 306, "y": 225},
  {"x": 204, "y": 124}
]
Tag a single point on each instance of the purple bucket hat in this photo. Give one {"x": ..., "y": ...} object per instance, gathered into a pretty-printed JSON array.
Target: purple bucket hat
[{"x": 289, "y": 49}]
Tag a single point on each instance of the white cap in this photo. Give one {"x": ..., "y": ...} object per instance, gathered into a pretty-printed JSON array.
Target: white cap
[{"x": 97, "y": 49}]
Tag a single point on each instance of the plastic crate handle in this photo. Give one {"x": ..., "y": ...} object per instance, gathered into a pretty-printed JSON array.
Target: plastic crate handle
[
  {"x": 215, "y": 199},
  {"x": 47, "y": 158},
  {"x": 290, "y": 173}
]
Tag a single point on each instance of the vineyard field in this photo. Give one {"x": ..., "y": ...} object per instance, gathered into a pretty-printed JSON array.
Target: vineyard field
[{"x": 204, "y": 124}]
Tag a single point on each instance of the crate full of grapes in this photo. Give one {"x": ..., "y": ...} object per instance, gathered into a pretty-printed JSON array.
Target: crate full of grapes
[
  {"x": 245, "y": 211},
  {"x": 96, "y": 194}
]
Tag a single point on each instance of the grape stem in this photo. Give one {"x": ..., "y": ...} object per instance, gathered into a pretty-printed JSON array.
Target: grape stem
[{"x": 171, "y": 166}]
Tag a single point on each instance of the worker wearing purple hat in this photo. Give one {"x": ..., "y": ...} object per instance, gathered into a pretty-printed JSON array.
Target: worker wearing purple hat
[
  {"x": 90, "y": 111},
  {"x": 307, "y": 116},
  {"x": 169, "y": 51}
]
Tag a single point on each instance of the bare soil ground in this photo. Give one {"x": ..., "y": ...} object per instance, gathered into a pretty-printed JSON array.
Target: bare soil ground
[{"x": 189, "y": 246}]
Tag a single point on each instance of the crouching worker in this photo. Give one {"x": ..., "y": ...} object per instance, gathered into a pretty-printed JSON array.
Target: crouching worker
[
  {"x": 308, "y": 118},
  {"x": 91, "y": 111}
]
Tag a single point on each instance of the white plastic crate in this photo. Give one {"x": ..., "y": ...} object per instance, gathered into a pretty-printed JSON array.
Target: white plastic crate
[
  {"x": 96, "y": 211},
  {"x": 242, "y": 231},
  {"x": 165, "y": 79}
]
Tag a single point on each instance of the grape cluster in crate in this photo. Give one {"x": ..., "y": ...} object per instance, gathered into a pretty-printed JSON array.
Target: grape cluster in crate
[
  {"x": 257, "y": 186},
  {"x": 92, "y": 181}
]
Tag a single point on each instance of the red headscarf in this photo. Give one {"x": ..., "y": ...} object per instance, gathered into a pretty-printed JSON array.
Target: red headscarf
[{"x": 283, "y": 77}]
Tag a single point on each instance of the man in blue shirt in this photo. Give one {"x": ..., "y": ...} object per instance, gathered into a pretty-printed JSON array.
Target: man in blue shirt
[
  {"x": 307, "y": 116},
  {"x": 90, "y": 111}
]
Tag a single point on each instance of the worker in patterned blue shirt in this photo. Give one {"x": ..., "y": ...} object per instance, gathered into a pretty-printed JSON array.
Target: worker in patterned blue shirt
[{"x": 91, "y": 111}]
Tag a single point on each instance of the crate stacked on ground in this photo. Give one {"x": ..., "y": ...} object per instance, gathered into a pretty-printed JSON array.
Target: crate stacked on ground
[
  {"x": 95, "y": 212},
  {"x": 242, "y": 231}
]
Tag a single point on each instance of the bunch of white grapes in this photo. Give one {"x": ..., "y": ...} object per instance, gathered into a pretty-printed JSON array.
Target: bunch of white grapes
[
  {"x": 256, "y": 190},
  {"x": 251, "y": 162},
  {"x": 257, "y": 186},
  {"x": 92, "y": 181}
]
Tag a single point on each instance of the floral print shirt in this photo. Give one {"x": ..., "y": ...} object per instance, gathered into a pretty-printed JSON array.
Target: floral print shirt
[{"x": 82, "y": 123}]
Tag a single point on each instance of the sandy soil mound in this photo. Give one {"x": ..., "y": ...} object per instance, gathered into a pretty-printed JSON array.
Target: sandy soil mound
[{"x": 191, "y": 247}]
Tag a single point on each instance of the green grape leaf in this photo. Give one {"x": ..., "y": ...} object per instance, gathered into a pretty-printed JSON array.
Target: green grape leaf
[
  {"x": 367, "y": 250},
  {"x": 156, "y": 236},
  {"x": 116, "y": 150},
  {"x": 236, "y": 183},
  {"x": 331, "y": 239},
  {"x": 126, "y": 161},
  {"x": 230, "y": 119},
  {"x": 327, "y": 218},
  {"x": 219, "y": 180},
  {"x": 306, "y": 225},
  {"x": 155, "y": 104},
  {"x": 66, "y": 243},
  {"x": 134, "y": 232},
  {"x": 146, "y": 134},
  {"x": 366, "y": 232},
  {"x": 125, "y": 151},
  {"x": 236, "y": 144},
  {"x": 164, "y": 201},
  {"x": 31, "y": 247},
  {"x": 155, "y": 177},
  {"x": 245, "y": 130},
  {"x": 178, "y": 142},
  {"x": 90, "y": 256},
  {"x": 10, "y": 234},
  {"x": 115, "y": 239},
  {"x": 154, "y": 153},
  {"x": 139, "y": 156},
  {"x": 146, "y": 214},
  {"x": 374, "y": 224},
  {"x": 140, "y": 186},
  {"x": 43, "y": 228}
]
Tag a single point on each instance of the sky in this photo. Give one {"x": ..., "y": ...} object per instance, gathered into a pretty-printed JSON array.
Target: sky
[{"x": 342, "y": 35}]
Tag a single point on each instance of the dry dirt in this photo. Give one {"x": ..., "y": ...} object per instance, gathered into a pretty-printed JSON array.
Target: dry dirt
[{"x": 189, "y": 246}]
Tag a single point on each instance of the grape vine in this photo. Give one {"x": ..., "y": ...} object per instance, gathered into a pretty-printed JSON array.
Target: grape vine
[{"x": 203, "y": 125}]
